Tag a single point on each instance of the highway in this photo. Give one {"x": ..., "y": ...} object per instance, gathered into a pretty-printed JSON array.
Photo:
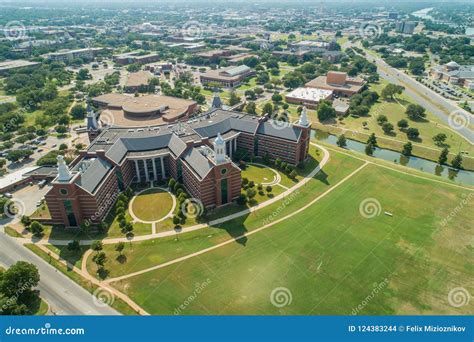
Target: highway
[{"x": 63, "y": 295}]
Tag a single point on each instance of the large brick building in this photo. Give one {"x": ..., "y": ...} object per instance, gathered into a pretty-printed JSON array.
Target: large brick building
[{"x": 198, "y": 153}]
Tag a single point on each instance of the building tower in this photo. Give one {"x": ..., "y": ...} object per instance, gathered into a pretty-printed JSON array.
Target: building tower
[
  {"x": 305, "y": 125},
  {"x": 93, "y": 129},
  {"x": 219, "y": 149},
  {"x": 64, "y": 175}
]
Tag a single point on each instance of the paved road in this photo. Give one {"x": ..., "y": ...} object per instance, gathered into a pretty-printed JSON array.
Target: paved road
[
  {"x": 424, "y": 96},
  {"x": 64, "y": 296}
]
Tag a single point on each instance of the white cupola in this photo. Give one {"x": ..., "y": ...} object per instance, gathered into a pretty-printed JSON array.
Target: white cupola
[
  {"x": 303, "y": 121},
  {"x": 219, "y": 149},
  {"x": 64, "y": 175}
]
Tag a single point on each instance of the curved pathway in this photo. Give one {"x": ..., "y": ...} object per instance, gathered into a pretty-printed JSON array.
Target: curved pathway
[
  {"x": 259, "y": 206},
  {"x": 276, "y": 178}
]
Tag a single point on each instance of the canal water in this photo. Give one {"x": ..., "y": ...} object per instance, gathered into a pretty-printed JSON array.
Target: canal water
[{"x": 459, "y": 176}]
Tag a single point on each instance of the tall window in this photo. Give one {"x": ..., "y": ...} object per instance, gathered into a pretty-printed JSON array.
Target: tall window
[
  {"x": 224, "y": 192},
  {"x": 70, "y": 213},
  {"x": 119, "y": 176}
]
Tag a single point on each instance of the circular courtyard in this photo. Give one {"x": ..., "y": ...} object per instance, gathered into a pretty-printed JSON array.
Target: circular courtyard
[
  {"x": 261, "y": 174},
  {"x": 152, "y": 205}
]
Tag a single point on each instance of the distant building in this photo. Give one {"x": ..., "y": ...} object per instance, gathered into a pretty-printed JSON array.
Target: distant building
[
  {"x": 7, "y": 66},
  {"x": 392, "y": 15},
  {"x": 339, "y": 83},
  {"x": 126, "y": 110},
  {"x": 214, "y": 54},
  {"x": 135, "y": 57},
  {"x": 309, "y": 45},
  {"x": 309, "y": 97},
  {"x": 227, "y": 77},
  {"x": 405, "y": 27},
  {"x": 86, "y": 54},
  {"x": 137, "y": 80},
  {"x": 452, "y": 72}
]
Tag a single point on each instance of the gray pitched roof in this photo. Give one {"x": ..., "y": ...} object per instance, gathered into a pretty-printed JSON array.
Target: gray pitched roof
[
  {"x": 199, "y": 163},
  {"x": 211, "y": 128},
  {"x": 176, "y": 145},
  {"x": 287, "y": 132},
  {"x": 92, "y": 176}
]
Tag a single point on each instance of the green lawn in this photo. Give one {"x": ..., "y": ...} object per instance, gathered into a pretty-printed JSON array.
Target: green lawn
[
  {"x": 258, "y": 173},
  {"x": 152, "y": 204},
  {"x": 330, "y": 257},
  {"x": 142, "y": 255}
]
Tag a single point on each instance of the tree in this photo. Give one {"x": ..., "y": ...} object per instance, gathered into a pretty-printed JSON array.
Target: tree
[
  {"x": 341, "y": 141},
  {"x": 381, "y": 119},
  {"x": 443, "y": 157},
  {"x": 17, "y": 155},
  {"x": 36, "y": 228},
  {"x": 372, "y": 140},
  {"x": 21, "y": 275},
  {"x": 391, "y": 90},
  {"x": 416, "y": 66},
  {"x": 25, "y": 220},
  {"x": 325, "y": 111},
  {"x": 369, "y": 149},
  {"x": 83, "y": 75},
  {"x": 269, "y": 188},
  {"x": 3, "y": 162},
  {"x": 457, "y": 161},
  {"x": 407, "y": 148},
  {"x": 415, "y": 111},
  {"x": 402, "y": 124},
  {"x": 78, "y": 112},
  {"x": 73, "y": 245},
  {"x": 268, "y": 108},
  {"x": 293, "y": 174},
  {"x": 412, "y": 133},
  {"x": 99, "y": 259},
  {"x": 120, "y": 247},
  {"x": 439, "y": 139},
  {"x": 251, "y": 193},
  {"x": 251, "y": 108},
  {"x": 387, "y": 127},
  {"x": 97, "y": 246}
]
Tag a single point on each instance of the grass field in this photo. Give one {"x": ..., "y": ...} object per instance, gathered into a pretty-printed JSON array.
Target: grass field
[
  {"x": 258, "y": 173},
  {"x": 330, "y": 258},
  {"x": 152, "y": 204}
]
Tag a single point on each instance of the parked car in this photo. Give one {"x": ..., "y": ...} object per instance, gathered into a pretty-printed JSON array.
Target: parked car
[
  {"x": 42, "y": 183},
  {"x": 7, "y": 195}
]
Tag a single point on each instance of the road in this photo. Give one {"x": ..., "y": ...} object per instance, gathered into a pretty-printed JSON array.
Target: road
[
  {"x": 427, "y": 98},
  {"x": 64, "y": 296}
]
